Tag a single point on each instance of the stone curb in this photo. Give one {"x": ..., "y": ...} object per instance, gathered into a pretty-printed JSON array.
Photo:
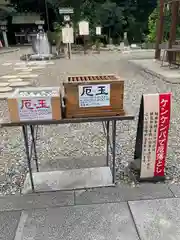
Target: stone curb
[{"x": 151, "y": 72}]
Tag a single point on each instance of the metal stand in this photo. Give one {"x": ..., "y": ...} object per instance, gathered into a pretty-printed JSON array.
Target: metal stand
[
  {"x": 31, "y": 128},
  {"x": 34, "y": 146},
  {"x": 26, "y": 142},
  {"x": 114, "y": 150},
  {"x": 30, "y": 149},
  {"x": 112, "y": 145},
  {"x": 107, "y": 143}
]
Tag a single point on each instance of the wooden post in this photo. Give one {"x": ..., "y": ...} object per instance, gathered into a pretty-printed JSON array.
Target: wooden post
[
  {"x": 84, "y": 42},
  {"x": 174, "y": 11},
  {"x": 160, "y": 26}
]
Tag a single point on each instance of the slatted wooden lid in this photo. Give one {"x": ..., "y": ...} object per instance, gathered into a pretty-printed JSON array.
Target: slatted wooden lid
[{"x": 87, "y": 78}]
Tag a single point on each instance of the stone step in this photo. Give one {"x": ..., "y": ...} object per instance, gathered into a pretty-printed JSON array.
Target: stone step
[
  {"x": 70, "y": 179},
  {"x": 72, "y": 163}
]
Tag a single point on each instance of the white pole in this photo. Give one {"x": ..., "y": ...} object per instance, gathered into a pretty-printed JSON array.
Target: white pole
[{"x": 5, "y": 39}]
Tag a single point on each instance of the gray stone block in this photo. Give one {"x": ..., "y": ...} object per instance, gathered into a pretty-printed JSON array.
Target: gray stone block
[
  {"x": 8, "y": 224},
  {"x": 43, "y": 200},
  {"x": 73, "y": 163},
  {"x": 119, "y": 194},
  {"x": 95, "y": 222},
  {"x": 157, "y": 219},
  {"x": 69, "y": 179}
]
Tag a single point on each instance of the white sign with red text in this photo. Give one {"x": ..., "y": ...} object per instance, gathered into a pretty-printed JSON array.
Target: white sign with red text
[
  {"x": 157, "y": 110},
  {"x": 35, "y": 108}
]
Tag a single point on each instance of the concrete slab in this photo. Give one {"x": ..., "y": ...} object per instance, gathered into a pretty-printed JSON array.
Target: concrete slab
[
  {"x": 72, "y": 163},
  {"x": 4, "y": 84},
  {"x": 28, "y": 76},
  {"x": 6, "y": 64},
  {"x": 31, "y": 63},
  {"x": 157, "y": 219},
  {"x": 32, "y": 201},
  {"x": 9, "y": 50},
  {"x": 122, "y": 194},
  {"x": 40, "y": 63},
  {"x": 69, "y": 179},
  {"x": 154, "y": 67},
  {"x": 20, "y": 63},
  {"x": 95, "y": 222},
  {"x": 20, "y": 84},
  {"x": 24, "y": 69},
  {"x": 8, "y": 224},
  {"x": 4, "y": 95},
  {"x": 15, "y": 80},
  {"x": 5, "y": 89},
  {"x": 9, "y": 76},
  {"x": 37, "y": 67},
  {"x": 25, "y": 72},
  {"x": 175, "y": 188}
]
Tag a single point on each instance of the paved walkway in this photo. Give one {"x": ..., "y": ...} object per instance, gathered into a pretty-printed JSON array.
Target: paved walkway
[
  {"x": 150, "y": 211},
  {"x": 154, "y": 67}
]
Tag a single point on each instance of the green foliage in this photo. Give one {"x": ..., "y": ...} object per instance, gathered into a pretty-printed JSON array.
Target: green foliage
[
  {"x": 153, "y": 21},
  {"x": 57, "y": 27},
  {"x": 152, "y": 25},
  {"x": 115, "y": 16},
  {"x": 111, "y": 18}
]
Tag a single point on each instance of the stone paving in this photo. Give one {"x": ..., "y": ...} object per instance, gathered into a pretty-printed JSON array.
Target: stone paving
[
  {"x": 24, "y": 75},
  {"x": 150, "y": 211}
]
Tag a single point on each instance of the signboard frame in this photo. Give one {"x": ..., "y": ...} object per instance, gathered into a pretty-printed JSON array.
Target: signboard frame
[
  {"x": 83, "y": 28},
  {"x": 152, "y": 136},
  {"x": 66, "y": 11},
  {"x": 98, "y": 30},
  {"x": 67, "y": 35}
]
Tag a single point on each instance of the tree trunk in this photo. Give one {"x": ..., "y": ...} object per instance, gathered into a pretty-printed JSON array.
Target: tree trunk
[
  {"x": 160, "y": 26},
  {"x": 174, "y": 11}
]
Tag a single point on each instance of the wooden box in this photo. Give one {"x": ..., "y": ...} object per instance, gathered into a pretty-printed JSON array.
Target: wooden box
[
  {"x": 87, "y": 96},
  {"x": 33, "y": 104}
]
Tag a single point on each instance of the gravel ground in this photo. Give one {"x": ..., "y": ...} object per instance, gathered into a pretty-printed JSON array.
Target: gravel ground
[{"x": 87, "y": 139}]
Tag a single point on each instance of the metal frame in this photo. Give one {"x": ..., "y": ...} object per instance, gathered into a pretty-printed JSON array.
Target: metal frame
[{"x": 31, "y": 129}]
